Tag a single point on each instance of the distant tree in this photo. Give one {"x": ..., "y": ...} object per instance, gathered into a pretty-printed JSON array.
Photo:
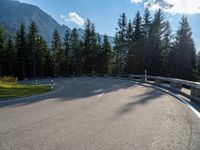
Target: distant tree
[
  {"x": 144, "y": 43},
  {"x": 75, "y": 54},
  {"x": 43, "y": 56},
  {"x": 166, "y": 50},
  {"x": 130, "y": 46},
  {"x": 20, "y": 44},
  {"x": 121, "y": 49},
  {"x": 66, "y": 45},
  {"x": 116, "y": 54},
  {"x": 147, "y": 22},
  {"x": 138, "y": 45},
  {"x": 81, "y": 49},
  {"x": 106, "y": 55},
  {"x": 90, "y": 48},
  {"x": 94, "y": 50},
  {"x": 2, "y": 41},
  {"x": 154, "y": 44},
  {"x": 99, "y": 41},
  {"x": 185, "y": 60},
  {"x": 10, "y": 57},
  {"x": 99, "y": 52},
  {"x": 48, "y": 64},
  {"x": 57, "y": 52},
  {"x": 32, "y": 53},
  {"x": 87, "y": 49},
  {"x": 198, "y": 65}
]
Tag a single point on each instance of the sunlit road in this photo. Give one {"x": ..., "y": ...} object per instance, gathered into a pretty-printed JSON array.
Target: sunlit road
[{"x": 99, "y": 114}]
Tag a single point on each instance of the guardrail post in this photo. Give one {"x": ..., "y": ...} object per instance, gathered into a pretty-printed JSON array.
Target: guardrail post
[
  {"x": 143, "y": 78},
  {"x": 175, "y": 86},
  {"x": 195, "y": 92}
]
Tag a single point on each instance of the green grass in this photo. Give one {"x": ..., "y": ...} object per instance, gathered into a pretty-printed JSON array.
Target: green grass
[{"x": 13, "y": 90}]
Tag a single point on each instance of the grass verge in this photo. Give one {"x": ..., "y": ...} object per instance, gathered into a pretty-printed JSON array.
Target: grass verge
[{"x": 13, "y": 90}]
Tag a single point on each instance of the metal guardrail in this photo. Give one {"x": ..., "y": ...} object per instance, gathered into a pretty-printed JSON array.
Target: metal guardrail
[{"x": 175, "y": 84}]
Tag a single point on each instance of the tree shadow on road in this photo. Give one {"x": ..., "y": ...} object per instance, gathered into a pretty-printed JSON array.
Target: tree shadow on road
[
  {"x": 75, "y": 89},
  {"x": 142, "y": 99}
]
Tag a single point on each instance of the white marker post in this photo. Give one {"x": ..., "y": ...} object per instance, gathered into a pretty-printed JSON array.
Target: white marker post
[
  {"x": 145, "y": 74},
  {"x": 52, "y": 87},
  {"x": 36, "y": 82}
]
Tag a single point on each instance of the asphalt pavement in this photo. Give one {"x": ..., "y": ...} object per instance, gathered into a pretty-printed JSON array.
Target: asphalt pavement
[{"x": 98, "y": 114}]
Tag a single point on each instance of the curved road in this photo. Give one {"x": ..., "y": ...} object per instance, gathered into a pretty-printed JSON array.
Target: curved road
[{"x": 99, "y": 114}]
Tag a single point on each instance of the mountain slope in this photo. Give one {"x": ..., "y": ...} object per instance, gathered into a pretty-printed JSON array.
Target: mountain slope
[{"x": 13, "y": 13}]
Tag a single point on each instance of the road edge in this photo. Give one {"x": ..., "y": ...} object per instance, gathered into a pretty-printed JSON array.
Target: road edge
[{"x": 33, "y": 96}]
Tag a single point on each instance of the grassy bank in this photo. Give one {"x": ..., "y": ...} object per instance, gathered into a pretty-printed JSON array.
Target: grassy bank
[{"x": 13, "y": 90}]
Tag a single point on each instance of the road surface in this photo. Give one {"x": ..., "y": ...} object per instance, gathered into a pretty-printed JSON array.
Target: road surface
[{"x": 99, "y": 114}]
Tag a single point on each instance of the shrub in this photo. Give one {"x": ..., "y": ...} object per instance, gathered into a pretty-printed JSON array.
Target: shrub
[{"x": 8, "y": 79}]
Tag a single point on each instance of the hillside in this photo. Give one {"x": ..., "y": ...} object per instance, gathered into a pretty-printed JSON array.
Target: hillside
[{"x": 13, "y": 13}]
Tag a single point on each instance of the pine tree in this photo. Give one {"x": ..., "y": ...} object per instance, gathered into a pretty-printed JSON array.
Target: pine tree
[
  {"x": 99, "y": 42},
  {"x": 99, "y": 61},
  {"x": 57, "y": 52},
  {"x": 81, "y": 49},
  {"x": 146, "y": 22},
  {"x": 106, "y": 55},
  {"x": 56, "y": 46},
  {"x": 10, "y": 57},
  {"x": 166, "y": 50},
  {"x": 86, "y": 52},
  {"x": 138, "y": 66},
  {"x": 121, "y": 49},
  {"x": 20, "y": 44},
  {"x": 146, "y": 29},
  {"x": 185, "y": 60},
  {"x": 154, "y": 44},
  {"x": 66, "y": 45},
  {"x": 94, "y": 50},
  {"x": 75, "y": 55},
  {"x": 130, "y": 46},
  {"x": 42, "y": 56},
  {"x": 32, "y": 49},
  {"x": 2, "y": 41},
  {"x": 90, "y": 48},
  {"x": 116, "y": 54},
  {"x": 198, "y": 65}
]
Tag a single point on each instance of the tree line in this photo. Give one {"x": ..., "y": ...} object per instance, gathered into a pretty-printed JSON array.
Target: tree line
[
  {"x": 148, "y": 43},
  {"x": 144, "y": 43},
  {"x": 28, "y": 55}
]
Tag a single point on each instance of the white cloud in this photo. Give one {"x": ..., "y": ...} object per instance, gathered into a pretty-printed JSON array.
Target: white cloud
[
  {"x": 173, "y": 6},
  {"x": 72, "y": 17},
  {"x": 136, "y": 1},
  {"x": 185, "y": 6},
  {"x": 156, "y": 4}
]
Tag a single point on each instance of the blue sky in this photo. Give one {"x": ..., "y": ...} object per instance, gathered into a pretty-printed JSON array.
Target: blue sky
[{"x": 105, "y": 13}]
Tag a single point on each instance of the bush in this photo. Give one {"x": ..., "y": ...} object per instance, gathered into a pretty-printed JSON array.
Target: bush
[{"x": 8, "y": 79}]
